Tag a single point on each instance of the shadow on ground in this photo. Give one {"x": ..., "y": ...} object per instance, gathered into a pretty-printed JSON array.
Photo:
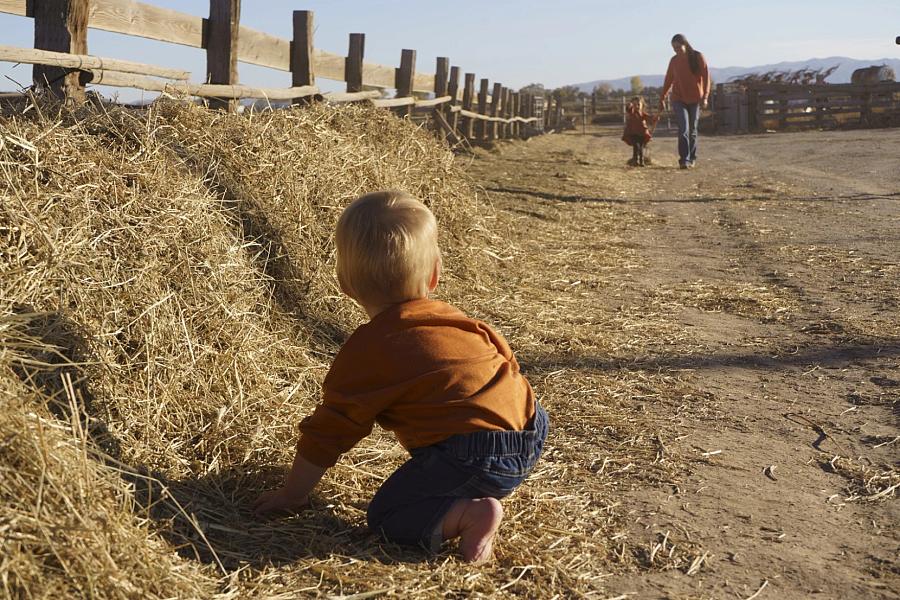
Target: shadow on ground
[
  {"x": 837, "y": 355},
  {"x": 691, "y": 200},
  {"x": 209, "y": 519},
  {"x": 206, "y": 518}
]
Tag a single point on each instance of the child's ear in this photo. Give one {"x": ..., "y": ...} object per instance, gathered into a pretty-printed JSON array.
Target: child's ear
[{"x": 435, "y": 275}]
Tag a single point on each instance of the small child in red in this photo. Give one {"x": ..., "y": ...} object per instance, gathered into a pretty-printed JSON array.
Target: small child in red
[{"x": 637, "y": 131}]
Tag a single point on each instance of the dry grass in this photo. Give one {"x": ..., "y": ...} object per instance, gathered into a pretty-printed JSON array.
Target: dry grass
[
  {"x": 757, "y": 301},
  {"x": 69, "y": 522},
  {"x": 866, "y": 482},
  {"x": 168, "y": 309},
  {"x": 869, "y": 279}
]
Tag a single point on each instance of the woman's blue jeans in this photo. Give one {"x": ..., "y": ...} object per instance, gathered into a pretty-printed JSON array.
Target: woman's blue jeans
[{"x": 687, "y": 117}]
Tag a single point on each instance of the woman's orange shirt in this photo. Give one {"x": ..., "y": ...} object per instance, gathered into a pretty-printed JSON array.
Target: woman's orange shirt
[{"x": 686, "y": 86}]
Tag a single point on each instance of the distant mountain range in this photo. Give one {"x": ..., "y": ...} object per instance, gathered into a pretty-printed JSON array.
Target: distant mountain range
[{"x": 721, "y": 75}]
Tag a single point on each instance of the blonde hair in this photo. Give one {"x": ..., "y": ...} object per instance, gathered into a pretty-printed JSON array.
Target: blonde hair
[{"x": 386, "y": 248}]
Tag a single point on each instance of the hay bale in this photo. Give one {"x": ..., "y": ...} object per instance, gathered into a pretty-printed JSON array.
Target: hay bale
[
  {"x": 69, "y": 521},
  {"x": 291, "y": 172}
]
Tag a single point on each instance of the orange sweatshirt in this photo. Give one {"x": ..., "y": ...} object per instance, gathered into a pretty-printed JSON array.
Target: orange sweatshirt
[
  {"x": 637, "y": 123},
  {"x": 423, "y": 370},
  {"x": 685, "y": 85}
]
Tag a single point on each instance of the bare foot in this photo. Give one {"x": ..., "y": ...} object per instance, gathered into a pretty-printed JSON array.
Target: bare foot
[{"x": 475, "y": 522}]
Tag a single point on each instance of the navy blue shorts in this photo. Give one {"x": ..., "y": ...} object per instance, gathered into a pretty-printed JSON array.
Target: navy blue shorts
[{"x": 410, "y": 506}]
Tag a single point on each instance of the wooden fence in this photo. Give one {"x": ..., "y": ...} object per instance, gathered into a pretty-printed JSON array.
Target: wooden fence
[
  {"x": 63, "y": 66},
  {"x": 783, "y": 107}
]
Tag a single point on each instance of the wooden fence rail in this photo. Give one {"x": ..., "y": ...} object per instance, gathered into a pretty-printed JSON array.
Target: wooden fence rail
[
  {"x": 63, "y": 65},
  {"x": 85, "y": 62}
]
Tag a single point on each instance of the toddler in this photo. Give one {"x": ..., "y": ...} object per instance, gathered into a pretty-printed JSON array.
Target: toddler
[
  {"x": 637, "y": 129},
  {"x": 448, "y": 386}
]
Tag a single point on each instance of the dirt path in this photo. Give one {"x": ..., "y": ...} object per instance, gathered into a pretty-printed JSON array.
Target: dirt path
[{"x": 771, "y": 276}]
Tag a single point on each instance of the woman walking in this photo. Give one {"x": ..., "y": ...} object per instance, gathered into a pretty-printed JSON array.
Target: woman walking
[{"x": 688, "y": 80}]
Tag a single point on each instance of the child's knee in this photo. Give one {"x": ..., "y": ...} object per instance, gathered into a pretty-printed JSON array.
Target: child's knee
[
  {"x": 412, "y": 525},
  {"x": 376, "y": 512}
]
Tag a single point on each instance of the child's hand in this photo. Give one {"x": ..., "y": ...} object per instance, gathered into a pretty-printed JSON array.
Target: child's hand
[
  {"x": 294, "y": 494},
  {"x": 278, "y": 501}
]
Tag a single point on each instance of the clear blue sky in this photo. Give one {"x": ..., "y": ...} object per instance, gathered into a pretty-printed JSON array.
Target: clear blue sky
[{"x": 524, "y": 41}]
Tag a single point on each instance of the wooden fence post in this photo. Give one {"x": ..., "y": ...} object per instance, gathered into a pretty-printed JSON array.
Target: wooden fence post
[
  {"x": 584, "y": 116},
  {"x": 557, "y": 113},
  {"x": 593, "y": 103},
  {"x": 753, "y": 120},
  {"x": 441, "y": 112},
  {"x": 507, "y": 112},
  {"x": 517, "y": 109},
  {"x": 497, "y": 111},
  {"x": 60, "y": 26},
  {"x": 513, "y": 112},
  {"x": 403, "y": 79},
  {"x": 468, "y": 93},
  {"x": 221, "y": 47},
  {"x": 523, "y": 109},
  {"x": 496, "y": 96},
  {"x": 527, "y": 109},
  {"x": 820, "y": 109},
  {"x": 551, "y": 110},
  {"x": 441, "y": 70},
  {"x": 718, "y": 108},
  {"x": 453, "y": 92},
  {"x": 481, "y": 126},
  {"x": 501, "y": 113},
  {"x": 302, "y": 71},
  {"x": 552, "y": 118},
  {"x": 353, "y": 65},
  {"x": 782, "y": 109},
  {"x": 865, "y": 112},
  {"x": 523, "y": 112}
]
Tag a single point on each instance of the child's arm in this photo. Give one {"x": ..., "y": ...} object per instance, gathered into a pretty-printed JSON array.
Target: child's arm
[
  {"x": 344, "y": 417},
  {"x": 294, "y": 494}
]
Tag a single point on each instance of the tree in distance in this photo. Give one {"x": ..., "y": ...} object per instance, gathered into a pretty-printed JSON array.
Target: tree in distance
[
  {"x": 535, "y": 89},
  {"x": 603, "y": 90},
  {"x": 637, "y": 86},
  {"x": 568, "y": 93}
]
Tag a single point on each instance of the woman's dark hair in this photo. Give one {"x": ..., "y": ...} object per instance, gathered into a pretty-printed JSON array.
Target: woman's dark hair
[{"x": 693, "y": 55}]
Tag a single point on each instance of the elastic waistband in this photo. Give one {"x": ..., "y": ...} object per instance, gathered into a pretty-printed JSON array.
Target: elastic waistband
[{"x": 499, "y": 443}]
